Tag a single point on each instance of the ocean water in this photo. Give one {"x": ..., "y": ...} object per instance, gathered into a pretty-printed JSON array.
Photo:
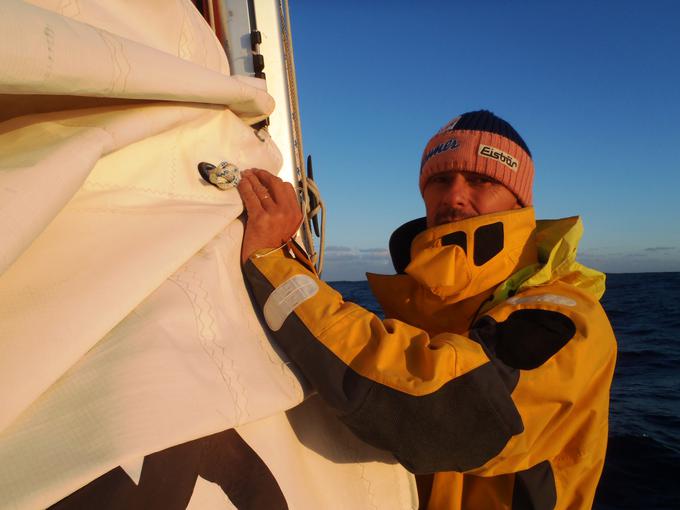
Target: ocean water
[{"x": 643, "y": 455}]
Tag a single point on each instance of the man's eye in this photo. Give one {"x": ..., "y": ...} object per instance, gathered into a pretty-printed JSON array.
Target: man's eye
[
  {"x": 440, "y": 179},
  {"x": 479, "y": 179}
]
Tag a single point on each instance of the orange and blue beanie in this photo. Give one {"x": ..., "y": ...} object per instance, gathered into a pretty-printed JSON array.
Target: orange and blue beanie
[{"x": 482, "y": 143}]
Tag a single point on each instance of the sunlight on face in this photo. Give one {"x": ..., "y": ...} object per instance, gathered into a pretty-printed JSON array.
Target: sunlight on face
[{"x": 453, "y": 196}]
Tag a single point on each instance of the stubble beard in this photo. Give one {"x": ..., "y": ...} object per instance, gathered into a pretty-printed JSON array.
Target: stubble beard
[{"x": 451, "y": 214}]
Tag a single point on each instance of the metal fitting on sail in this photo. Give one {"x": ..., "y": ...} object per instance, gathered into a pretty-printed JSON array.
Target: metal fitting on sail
[{"x": 223, "y": 176}]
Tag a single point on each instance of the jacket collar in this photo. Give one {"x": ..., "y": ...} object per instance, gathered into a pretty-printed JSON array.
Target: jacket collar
[
  {"x": 461, "y": 259},
  {"x": 533, "y": 253},
  {"x": 557, "y": 244},
  {"x": 457, "y": 264}
]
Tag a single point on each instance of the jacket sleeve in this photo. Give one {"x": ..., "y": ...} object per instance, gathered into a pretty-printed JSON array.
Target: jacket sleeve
[
  {"x": 529, "y": 382},
  {"x": 557, "y": 351},
  {"x": 437, "y": 403}
]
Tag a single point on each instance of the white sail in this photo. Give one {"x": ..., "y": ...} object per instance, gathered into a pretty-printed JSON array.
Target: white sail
[{"x": 125, "y": 325}]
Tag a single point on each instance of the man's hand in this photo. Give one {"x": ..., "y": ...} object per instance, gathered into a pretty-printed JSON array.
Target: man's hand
[{"x": 274, "y": 213}]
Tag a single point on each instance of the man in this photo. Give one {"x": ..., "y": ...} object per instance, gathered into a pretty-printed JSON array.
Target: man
[{"x": 494, "y": 367}]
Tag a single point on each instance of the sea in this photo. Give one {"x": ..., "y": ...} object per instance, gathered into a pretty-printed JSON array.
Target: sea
[{"x": 643, "y": 454}]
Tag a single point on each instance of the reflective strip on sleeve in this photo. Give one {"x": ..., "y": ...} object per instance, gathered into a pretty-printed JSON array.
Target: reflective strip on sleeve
[
  {"x": 286, "y": 297},
  {"x": 542, "y": 298}
]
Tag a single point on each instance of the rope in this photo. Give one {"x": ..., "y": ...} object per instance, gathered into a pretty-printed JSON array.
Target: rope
[
  {"x": 211, "y": 15},
  {"x": 320, "y": 209},
  {"x": 307, "y": 185}
]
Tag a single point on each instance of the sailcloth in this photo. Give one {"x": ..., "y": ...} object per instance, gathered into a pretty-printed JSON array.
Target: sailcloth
[{"x": 125, "y": 325}]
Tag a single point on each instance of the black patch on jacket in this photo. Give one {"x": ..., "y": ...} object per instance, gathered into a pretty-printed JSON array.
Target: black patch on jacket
[
  {"x": 400, "y": 243},
  {"x": 534, "y": 488},
  {"x": 527, "y": 338},
  {"x": 459, "y": 427},
  {"x": 489, "y": 241},
  {"x": 455, "y": 239},
  {"x": 486, "y": 332}
]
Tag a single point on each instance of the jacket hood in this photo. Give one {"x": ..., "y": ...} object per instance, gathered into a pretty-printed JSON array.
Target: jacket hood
[
  {"x": 484, "y": 259},
  {"x": 557, "y": 244},
  {"x": 461, "y": 259}
]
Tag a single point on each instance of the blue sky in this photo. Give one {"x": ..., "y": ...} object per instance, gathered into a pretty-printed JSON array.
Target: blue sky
[{"x": 592, "y": 87}]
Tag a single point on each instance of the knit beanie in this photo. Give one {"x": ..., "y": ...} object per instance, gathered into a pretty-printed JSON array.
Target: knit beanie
[{"x": 482, "y": 143}]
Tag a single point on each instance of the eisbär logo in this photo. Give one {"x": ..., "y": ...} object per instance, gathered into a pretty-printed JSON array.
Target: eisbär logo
[{"x": 497, "y": 154}]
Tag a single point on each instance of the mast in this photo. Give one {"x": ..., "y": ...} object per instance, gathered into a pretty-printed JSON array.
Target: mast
[{"x": 256, "y": 36}]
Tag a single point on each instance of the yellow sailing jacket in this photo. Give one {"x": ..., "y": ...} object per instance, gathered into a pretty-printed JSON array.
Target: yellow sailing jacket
[{"x": 493, "y": 369}]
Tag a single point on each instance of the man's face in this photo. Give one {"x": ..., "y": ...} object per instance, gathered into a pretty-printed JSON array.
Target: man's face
[{"x": 453, "y": 196}]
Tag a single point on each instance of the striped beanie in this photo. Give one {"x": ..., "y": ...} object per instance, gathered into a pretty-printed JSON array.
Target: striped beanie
[{"x": 482, "y": 143}]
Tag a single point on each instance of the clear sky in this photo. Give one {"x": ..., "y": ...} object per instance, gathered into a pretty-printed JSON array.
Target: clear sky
[{"x": 592, "y": 87}]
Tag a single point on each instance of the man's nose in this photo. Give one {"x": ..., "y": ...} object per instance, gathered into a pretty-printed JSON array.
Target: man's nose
[{"x": 458, "y": 191}]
